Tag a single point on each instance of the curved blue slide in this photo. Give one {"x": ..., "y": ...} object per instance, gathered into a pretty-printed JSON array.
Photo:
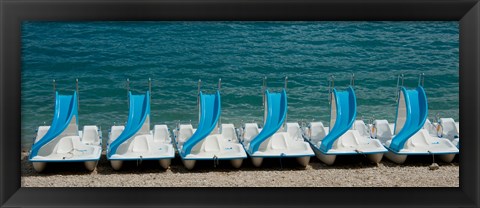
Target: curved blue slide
[
  {"x": 416, "y": 113},
  {"x": 276, "y": 113},
  {"x": 139, "y": 111},
  {"x": 346, "y": 106},
  {"x": 66, "y": 107},
  {"x": 209, "y": 114}
]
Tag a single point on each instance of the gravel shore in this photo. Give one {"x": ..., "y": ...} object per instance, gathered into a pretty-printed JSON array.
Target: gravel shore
[{"x": 348, "y": 171}]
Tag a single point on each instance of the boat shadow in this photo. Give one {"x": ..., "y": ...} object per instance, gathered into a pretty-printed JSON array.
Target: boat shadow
[
  {"x": 177, "y": 167},
  {"x": 269, "y": 164}
]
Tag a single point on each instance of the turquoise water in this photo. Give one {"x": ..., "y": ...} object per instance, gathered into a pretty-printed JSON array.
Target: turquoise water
[{"x": 175, "y": 55}]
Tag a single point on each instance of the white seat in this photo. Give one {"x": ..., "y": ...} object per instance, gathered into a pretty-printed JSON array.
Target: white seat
[
  {"x": 316, "y": 131},
  {"x": 115, "y": 132},
  {"x": 185, "y": 132},
  {"x": 361, "y": 127},
  {"x": 450, "y": 130},
  {"x": 90, "y": 135},
  {"x": 251, "y": 130},
  {"x": 211, "y": 144},
  {"x": 228, "y": 132},
  {"x": 161, "y": 133},
  {"x": 42, "y": 130},
  {"x": 348, "y": 139},
  {"x": 65, "y": 145},
  {"x": 293, "y": 130},
  {"x": 278, "y": 142},
  {"x": 140, "y": 144},
  {"x": 419, "y": 139},
  {"x": 383, "y": 130}
]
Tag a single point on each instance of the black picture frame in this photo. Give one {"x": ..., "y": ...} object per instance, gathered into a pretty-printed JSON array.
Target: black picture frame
[{"x": 13, "y": 12}]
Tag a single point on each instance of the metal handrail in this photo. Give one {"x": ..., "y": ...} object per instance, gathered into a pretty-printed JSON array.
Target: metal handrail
[
  {"x": 421, "y": 79},
  {"x": 285, "y": 122},
  {"x": 219, "y": 124},
  {"x": 198, "y": 93},
  {"x": 128, "y": 90},
  {"x": 54, "y": 90},
  {"x": 264, "y": 88},
  {"x": 400, "y": 77},
  {"x": 78, "y": 94},
  {"x": 150, "y": 87},
  {"x": 331, "y": 85},
  {"x": 352, "y": 80}
]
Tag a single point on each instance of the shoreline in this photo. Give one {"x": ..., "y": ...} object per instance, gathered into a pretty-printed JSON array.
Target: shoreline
[{"x": 348, "y": 171}]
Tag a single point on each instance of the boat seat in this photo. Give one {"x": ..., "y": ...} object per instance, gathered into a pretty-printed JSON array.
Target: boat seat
[
  {"x": 211, "y": 144},
  {"x": 317, "y": 131},
  {"x": 116, "y": 131},
  {"x": 384, "y": 132},
  {"x": 90, "y": 135},
  {"x": 450, "y": 130},
  {"x": 161, "y": 133},
  {"x": 348, "y": 139},
  {"x": 419, "y": 139},
  {"x": 228, "y": 132},
  {"x": 185, "y": 132},
  {"x": 140, "y": 144},
  {"x": 42, "y": 130},
  {"x": 278, "y": 142},
  {"x": 361, "y": 127},
  {"x": 65, "y": 145},
  {"x": 251, "y": 130},
  {"x": 293, "y": 130}
]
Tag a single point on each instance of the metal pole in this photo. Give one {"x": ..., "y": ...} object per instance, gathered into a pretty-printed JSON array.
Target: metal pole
[
  {"x": 128, "y": 90},
  {"x": 54, "y": 91},
  {"x": 331, "y": 84},
  {"x": 264, "y": 87},
  {"x": 198, "y": 92},
  {"x": 286, "y": 82},
  {"x": 78, "y": 95},
  {"x": 403, "y": 76},
  {"x": 421, "y": 79},
  {"x": 150, "y": 87},
  {"x": 285, "y": 123},
  {"x": 397, "y": 89},
  {"x": 220, "y": 116}
]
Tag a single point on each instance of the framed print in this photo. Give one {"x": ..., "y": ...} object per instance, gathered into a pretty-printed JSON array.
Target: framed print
[{"x": 239, "y": 103}]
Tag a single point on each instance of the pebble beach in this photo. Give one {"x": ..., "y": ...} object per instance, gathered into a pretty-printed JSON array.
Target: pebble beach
[{"x": 348, "y": 171}]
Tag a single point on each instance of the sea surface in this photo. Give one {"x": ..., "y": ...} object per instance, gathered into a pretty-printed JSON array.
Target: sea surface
[{"x": 175, "y": 55}]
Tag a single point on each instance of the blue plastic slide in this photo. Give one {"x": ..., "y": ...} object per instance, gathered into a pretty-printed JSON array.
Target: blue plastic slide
[
  {"x": 139, "y": 111},
  {"x": 276, "y": 113},
  {"x": 209, "y": 114},
  {"x": 66, "y": 108},
  {"x": 416, "y": 115},
  {"x": 346, "y": 107}
]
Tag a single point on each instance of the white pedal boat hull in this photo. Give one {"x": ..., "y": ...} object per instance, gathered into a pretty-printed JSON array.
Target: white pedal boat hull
[
  {"x": 157, "y": 145},
  {"x": 351, "y": 142},
  {"x": 216, "y": 146},
  {"x": 279, "y": 145},
  {"x": 86, "y": 147},
  {"x": 422, "y": 143}
]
